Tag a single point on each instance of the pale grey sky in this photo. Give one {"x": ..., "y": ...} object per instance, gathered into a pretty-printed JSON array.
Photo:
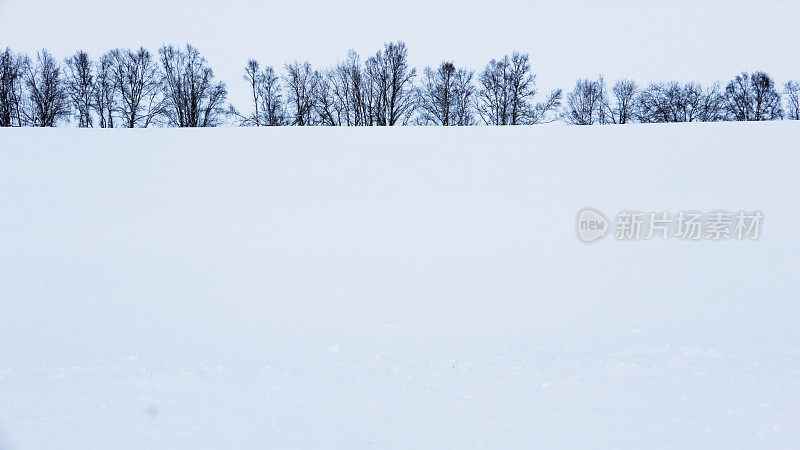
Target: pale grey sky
[{"x": 646, "y": 40}]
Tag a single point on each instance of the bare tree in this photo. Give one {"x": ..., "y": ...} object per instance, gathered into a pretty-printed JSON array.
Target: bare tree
[
  {"x": 500, "y": 103},
  {"x": 342, "y": 88},
  {"x": 48, "y": 98},
  {"x": 655, "y": 103},
  {"x": 464, "y": 95},
  {"x": 671, "y": 102},
  {"x": 105, "y": 100},
  {"x": 271, "y": 101},
  {"x": 80, "y": 86},
  {"x": 436, "y": 94},
  {"x": 391, "y": 80},
  {"x": 362, "y": 98},
  {"x": 301, "y": 82},
  {"x": 346, "y": 95},
  {"x": 603, "y": 117},
  {"x": 191, "y": 96},
  {"x": 706, "y": 105},
  {"x": 12, "y": 69},
  {"x": 342, "y": 91},
  {"x": 753, "y": 98},
  {"x": 265, "y": 90},
  {"x": 624, "y": 107},
  {"x": 507, "y": 90},
  {"x": 585, "y": 104},
  {"x": 137, "y": 83},
  {"x": 522, "y": 85},
  {"x": 252, "y": 74},
  {"x": 446, "y": 96},
  {"x": 543, "y": 112},
  {"x": 327, "y": 106},
  {"x": 349, "y": 87},
  {"x": 792, "y": 92}
]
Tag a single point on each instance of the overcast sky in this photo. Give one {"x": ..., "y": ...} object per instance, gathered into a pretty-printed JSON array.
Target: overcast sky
[{"x": 646, "y": 40}]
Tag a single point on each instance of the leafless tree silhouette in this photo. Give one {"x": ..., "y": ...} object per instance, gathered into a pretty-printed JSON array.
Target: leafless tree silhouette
[
  {"x": 48, "y": 101},
  {"x": 792, "y": 92},
  {"x": 177, "y": 87},
  {"x": 105, "y": 98},
  {"x": 624, "y": 95},
  {"x": 349, "y": 86},
  {"x": 671, "y": 102},
  {"x": 753, "y": 98},
  {"x": 301, "y": 82},
  {"x": 446, "y": 96},
  {"x": 12, "y": 89},
  {"x": 585, "y": 104},
  {"x": 80, "y": 86},
  {"x": 506, "y": 93},
  {"x": 192, "y": 98},
  {"x": 137, "y": 84},
  {"x": 265, "y": 90},
  {"x": 392, "y": 89}
]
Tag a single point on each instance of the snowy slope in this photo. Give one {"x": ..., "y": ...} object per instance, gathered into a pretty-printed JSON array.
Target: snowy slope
[{"x": 394, "y": 288}]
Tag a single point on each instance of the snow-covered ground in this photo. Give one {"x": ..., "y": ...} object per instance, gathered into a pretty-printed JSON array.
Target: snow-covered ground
[{"x": 394, "y": 288}]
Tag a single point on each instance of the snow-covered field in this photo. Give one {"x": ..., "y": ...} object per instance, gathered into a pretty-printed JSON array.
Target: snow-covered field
[{"x": 394, "y": 288}]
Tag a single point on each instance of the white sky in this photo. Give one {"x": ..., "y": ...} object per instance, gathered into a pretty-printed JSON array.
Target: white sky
[{"x": 645, "y": 40}]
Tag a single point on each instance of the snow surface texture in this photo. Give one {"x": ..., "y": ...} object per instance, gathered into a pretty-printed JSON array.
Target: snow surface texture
[{"x": 394, "y": 288}]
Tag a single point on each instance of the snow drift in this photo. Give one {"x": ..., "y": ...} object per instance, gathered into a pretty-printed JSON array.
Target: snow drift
[{"x": 410, "y": 287}]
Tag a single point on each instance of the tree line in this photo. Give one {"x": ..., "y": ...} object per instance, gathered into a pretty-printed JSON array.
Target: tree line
[{"x": 176, "y": 87}]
